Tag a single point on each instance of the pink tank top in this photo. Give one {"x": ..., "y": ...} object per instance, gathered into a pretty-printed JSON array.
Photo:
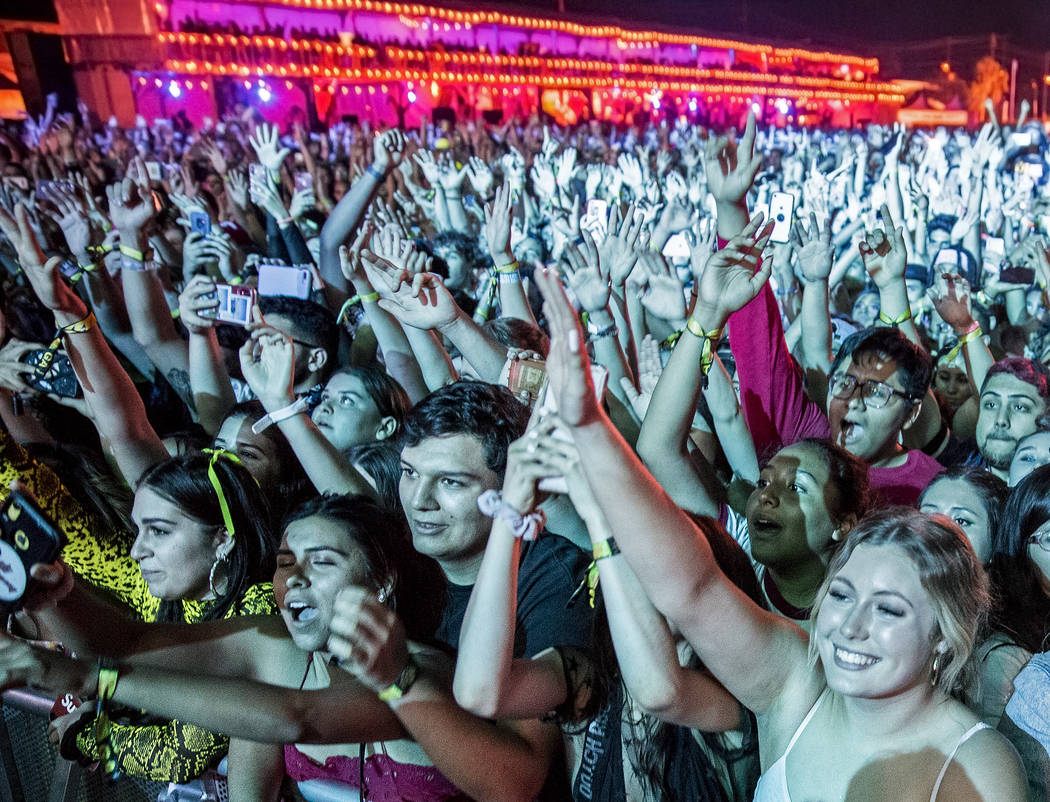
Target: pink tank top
[{"x": 386, "y": 780}]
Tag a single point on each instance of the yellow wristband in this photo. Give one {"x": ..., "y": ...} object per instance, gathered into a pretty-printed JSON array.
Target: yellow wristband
[
  {"x": 894, "y": 321},
  {"x": 132, "y": 253},
  {"x": 605, "y": 548},
  {"x": 512, "y": 267}
]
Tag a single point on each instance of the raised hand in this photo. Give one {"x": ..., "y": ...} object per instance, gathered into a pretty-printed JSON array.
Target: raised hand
[
  {"x": 268, "y": 365},
  {"x": 43, "y": 276},
  {"x": 631, "y": 170},
  {"x": 350, "y": 258},
  {"x": 429, "y": 167},
  {"x": 734, "y": 275},
  {"x": 566, "y": 167},
  {"x": 128, "y": 215},
  {"x": 303, "y": 200},
  {"x": 666, "y": 295},
  {"x": 498, "y": 222},
  {"x": 568, "y": 367},
  {"x": 237, "y": 188},
  {"x": 451, "y": 177},
  {"x": 481, "y": 177},
  {"x": 71, "y": 216},
  {"x": 813, "y": 247},
  {"x": 884, "y": 253},
  {"x": 266, "y": 142},
  {"x": 388, "y": 149},
  {"x": 421, "y": 301},
  {"x": 618, "y": 252},
  {"x": 731, "y": 167},
  {"x": 197, "y": 298},
  {"x": 214, "y": 155},
  {"x": 543, "y": 180},
  {"x": 367, "y": 638},
  {"x": 950, "y": 296},
  {"x": 589, "y": 282},
  {"x": 649, "y": 370}
]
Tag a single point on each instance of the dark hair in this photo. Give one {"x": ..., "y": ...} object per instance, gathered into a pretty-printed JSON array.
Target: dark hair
[
  {"x": 1013, "y": 339},
  {"x": 1030, "y": 371},
  {"x": 293, "y": 486},
  {"x": 1022, "y": 608},
  {"x": 941, "y": 222},
  {"x": 848, "y": 473},
  {"x": 657, "y": 759},
  {"x": 486, "y": 411},
  {"x": 990, "y": 489},
  {"x": 382, "y": 460},
  {"x": 415, "y": 582},
  {"x": 184, "y": 481},
  {"x": 91, "y": 482},
  {"x": 311, "y": 322},
  {"x": 914, "y": 365},
  {"x": 388, "y": 395},
  {"x": 515, "y": 333}
]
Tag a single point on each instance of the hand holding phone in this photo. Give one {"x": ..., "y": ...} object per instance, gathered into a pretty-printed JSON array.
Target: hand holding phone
[{"x": 27, "y": 537}]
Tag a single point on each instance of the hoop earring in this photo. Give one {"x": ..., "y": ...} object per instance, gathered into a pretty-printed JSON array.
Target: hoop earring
[
  {"x": 935, "y": 674},
  {"x": 211, "y": 574}
]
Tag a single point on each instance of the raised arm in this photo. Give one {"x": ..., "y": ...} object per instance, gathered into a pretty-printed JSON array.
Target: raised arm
[
  {"x": 119, "y": 412},
  {"x": 670, "y": 557},
  {"x": 513, "y": 301},
  {"x": 210, "y": 385}
]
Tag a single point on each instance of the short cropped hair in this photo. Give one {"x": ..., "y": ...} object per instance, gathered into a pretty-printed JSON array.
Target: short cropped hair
[
  {"x": 914, "y": 364},
  {"x": 1030, "y": 371},
  {"x": 312, "y": 323},
  {"x": 488, "y": 412}
]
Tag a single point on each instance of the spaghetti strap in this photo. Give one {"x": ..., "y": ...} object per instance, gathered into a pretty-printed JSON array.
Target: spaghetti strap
[
  {"x": 805, "y": 722},
  {"x": 976, "y": 728}
]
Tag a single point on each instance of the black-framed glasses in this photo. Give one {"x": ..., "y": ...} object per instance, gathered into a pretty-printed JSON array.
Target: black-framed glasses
[
  {"x": 876, "y": 394},
  {"x": 1040, "y": 538}
]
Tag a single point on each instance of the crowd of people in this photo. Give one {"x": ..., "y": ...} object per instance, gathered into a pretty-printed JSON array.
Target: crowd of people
[{"x": 510, "y": 462}]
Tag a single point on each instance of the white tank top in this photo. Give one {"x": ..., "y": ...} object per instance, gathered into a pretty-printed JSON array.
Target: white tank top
[{"x": 773, "y": 784}]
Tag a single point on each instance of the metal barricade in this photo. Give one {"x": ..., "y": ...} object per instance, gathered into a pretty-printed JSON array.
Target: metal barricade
[{"x": 31, "y": 770}]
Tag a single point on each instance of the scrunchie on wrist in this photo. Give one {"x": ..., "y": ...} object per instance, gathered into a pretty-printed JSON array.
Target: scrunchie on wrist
[{"x": 526, "y": 527}]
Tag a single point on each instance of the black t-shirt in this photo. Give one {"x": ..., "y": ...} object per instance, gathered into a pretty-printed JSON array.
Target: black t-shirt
[{"x": 550, "y": 570}]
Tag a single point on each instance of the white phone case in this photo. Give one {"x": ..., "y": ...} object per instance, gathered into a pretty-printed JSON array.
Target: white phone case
[{"x": 781, "y": 206}]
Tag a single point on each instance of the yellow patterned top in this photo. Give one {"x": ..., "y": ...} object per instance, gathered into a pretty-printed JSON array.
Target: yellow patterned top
[{"x": 169, "y": 751}]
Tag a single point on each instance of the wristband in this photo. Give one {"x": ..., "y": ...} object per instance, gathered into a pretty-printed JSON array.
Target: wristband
[
  {"x": 372, "y": 171},
  {"x": 86, "y": 323},
  {"x": 967, "y": 336},
  {"x": 605, "y": 548},
  {"x": 90, "y": 267},
  {"x": 134, "y": 253},
  {"x": 710, "y": 340},
  {"x": 510, "y": 267},
  {"x": 610, "y": 330},
  {"x": 107, "y": 686},
  {"x": 894, "y": 321},
  {"x": 236, "y": 280},
  {"x": 278, "y": 415},
  {"x": 671, "y": 339},
  {"x": 526, "y": 527},
  {"x": 399, "y": 687}
]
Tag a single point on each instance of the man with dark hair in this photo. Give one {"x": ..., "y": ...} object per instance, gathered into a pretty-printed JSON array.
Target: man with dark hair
[
  {"x": 454, "y": 448},
  {"x": 1014, "y": 395},
  {"x": 314, "y": 331}
]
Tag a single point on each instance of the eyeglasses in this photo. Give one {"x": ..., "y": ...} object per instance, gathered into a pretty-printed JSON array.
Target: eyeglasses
[
  {"x": 876, "y": 394},
  {"x": 1040, "y": 538}
]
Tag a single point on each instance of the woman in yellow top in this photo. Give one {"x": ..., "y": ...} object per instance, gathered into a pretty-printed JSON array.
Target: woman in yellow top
[{"x": 205, "y": 543}]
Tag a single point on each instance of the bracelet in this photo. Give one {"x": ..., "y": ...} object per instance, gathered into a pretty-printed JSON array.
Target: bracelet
[
  {"x": 526, "y": 527},
  {"x": 134, "y": 253},
  {"x": 85, "y": 323},
  {"x": 671, "y": 339},
  {"x": 513, "y": 277},
  {"x": 399, "y": 687},
  {"x": 90, "y": 267},
  {"x": 278, "y": 415},
  {"x": 285, "y": 221},
  {"x": 107, "y": 686},
  {"x": 710, "y": 340},
  {"x": 966, "y": 337},
  {"x": 372, "y": 171},
  {"x": 894, "y": 321},
  {"x": 611, "y": 330},
  {"x": 605, "y": 548},
  {"x": 510, "y": 267}
]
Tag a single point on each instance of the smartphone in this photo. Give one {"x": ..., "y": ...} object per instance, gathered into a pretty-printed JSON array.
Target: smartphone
[
  {"x": 281, "y": 280},
  {"x": 27, "y": 537},
  {"x": 599, "y": 377},
  {"x": 527, "y": 377},
  {"x": 153, "y": 170},
  {"x": 304, "y": 181},
  {"x": 1017, "y": 275},
  {"x": 69, "y": 269},
  {"x": 781, "y": 207},
  {"x": 257, "y": 174},
  {"x": 201, "y": 223},
  {"x": 235, "y": 304},
  {"x": 52, "y": 373}
]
